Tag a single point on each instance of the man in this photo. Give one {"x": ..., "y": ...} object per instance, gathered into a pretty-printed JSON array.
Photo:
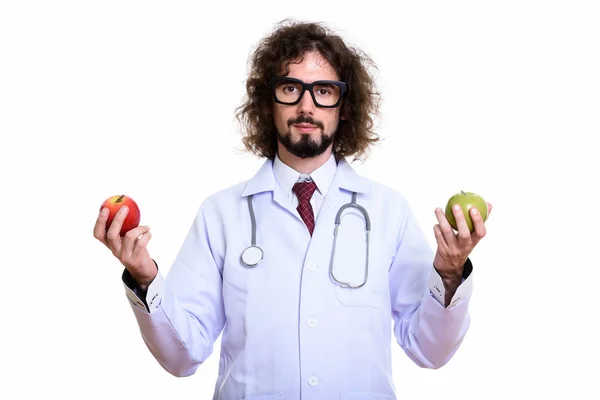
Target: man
[{"x": 305, "y": 314}]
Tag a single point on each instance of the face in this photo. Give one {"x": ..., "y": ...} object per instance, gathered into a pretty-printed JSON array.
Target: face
[{"x": 304, "y": 129}]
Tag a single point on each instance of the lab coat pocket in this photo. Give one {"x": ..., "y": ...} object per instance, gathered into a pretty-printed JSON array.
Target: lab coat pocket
[
  {"x": 237, "y": 277},
  {"x": 361, "y": 297},
  {"x": 353, "y": 263},
  {"x": 350, "y": 254},
  {"x": 367, "y": 396}
]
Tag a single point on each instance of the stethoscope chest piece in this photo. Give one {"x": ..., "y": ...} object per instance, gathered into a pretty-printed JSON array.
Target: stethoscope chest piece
[{"x": 252, "y": 256}]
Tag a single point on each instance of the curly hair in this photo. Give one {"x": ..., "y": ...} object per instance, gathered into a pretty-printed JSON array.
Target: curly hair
[{"x": 286, "y": 44}]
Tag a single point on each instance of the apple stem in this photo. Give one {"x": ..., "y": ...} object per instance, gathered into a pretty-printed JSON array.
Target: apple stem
[
  {"x": 463, "y": 192},
  {"x": 120, "y": 199}
]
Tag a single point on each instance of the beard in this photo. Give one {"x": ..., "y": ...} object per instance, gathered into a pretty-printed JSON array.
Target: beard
[{"x": 306, "y": 147}]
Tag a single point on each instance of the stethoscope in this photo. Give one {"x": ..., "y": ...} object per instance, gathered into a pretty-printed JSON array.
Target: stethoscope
[{"x": 253, "y": 254}]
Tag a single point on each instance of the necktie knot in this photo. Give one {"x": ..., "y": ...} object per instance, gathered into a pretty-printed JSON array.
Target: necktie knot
[{"x": 304, "y": 190}]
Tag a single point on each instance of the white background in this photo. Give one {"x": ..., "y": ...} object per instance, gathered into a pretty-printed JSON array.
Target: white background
[{"x": 138, "y": 97}]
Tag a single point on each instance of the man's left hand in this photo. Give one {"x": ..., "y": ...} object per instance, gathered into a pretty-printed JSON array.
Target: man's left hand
[{"x": 454, "y": 248}]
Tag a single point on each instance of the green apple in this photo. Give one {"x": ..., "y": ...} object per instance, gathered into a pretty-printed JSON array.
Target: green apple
[{"x": 466, "y": 200}]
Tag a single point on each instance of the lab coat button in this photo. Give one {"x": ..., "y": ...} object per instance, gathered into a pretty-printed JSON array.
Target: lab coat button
[
  {"x": 313, "y": 381},
  {"x": 312, "y": 266},
  {"x": 312, "y": 323}
]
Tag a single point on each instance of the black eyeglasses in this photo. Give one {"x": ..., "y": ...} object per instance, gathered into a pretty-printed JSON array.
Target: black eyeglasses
[{"x": 289, "y": 91}]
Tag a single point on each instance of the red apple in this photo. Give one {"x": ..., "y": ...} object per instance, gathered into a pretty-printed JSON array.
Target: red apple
[{"x": 114, "y": 203}]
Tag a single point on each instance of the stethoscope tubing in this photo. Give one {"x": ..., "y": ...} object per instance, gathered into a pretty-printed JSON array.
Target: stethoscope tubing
[{"x": 253, "y": 254}]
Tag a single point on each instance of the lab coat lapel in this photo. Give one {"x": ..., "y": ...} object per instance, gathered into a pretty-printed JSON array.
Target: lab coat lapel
[
  {"x": 264, "y": 181},
  {"x": 333, "y": 201},
  {"x": 345, "y": 180},
  {"x": 280, "y": 199}
]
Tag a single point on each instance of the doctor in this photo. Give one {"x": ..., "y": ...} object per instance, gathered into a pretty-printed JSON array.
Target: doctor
[{"x": 304, "y": 313}]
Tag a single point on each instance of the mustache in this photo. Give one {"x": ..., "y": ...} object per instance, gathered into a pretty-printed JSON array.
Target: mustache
[{"x": 304, "y": 119}]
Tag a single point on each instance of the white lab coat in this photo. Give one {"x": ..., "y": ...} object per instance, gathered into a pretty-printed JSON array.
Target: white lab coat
[{"x": 290, "y": 332}]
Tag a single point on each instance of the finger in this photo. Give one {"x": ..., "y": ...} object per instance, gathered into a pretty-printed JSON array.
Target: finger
[
  {"x": 489, "y": 209},
  {"x": 439, "y": 238},
  {"x": 445, "y": 227},
  {"x": 464, "y": 233},
  {"x": 141, "y": 242},
  {"x": 130, "y": 238},
  {"x": 113, "y": 235},
  {"x": 478, "y": 224},
  {"x": 100, "y": 226}
]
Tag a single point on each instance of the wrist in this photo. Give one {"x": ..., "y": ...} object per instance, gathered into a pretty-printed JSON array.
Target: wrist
[
  {"x": 144, "y": 281},
  {"x": 451, "y": 276},
  {"x": 448, "y": 273}
]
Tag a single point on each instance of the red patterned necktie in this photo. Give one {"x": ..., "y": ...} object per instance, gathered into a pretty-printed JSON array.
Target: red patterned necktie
[{"x": 304, "y": 191}]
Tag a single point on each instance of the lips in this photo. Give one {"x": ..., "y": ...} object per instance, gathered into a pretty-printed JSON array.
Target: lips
[{"x": 305, "y": 127}]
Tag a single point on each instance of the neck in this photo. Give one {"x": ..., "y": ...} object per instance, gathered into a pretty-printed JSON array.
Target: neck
[{"x": 303, "y": 165}]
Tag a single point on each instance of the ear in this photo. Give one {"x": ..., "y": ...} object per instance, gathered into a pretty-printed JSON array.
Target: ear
[
  {"x": 343, "y": 116},
  {"x": 268, "y": 109},
  {"x": 343, "y": 113}
]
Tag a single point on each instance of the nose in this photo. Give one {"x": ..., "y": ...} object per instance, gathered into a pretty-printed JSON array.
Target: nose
[{"x": 306, "y": 104}]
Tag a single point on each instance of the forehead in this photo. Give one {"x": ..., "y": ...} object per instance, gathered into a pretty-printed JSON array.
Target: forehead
[{"x": 312, "y": 67}]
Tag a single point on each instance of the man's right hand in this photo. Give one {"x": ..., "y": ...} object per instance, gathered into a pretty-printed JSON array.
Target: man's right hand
[{"x": 130, "y": 249}]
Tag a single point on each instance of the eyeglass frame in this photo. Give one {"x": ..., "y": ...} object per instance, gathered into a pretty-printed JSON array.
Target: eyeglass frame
[{"x": 307, "y": 86}]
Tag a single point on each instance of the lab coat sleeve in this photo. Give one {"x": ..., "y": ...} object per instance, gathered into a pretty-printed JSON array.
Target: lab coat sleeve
[
  {"x": 429, "y": 333},
  {"x": 184, "y": 314}
]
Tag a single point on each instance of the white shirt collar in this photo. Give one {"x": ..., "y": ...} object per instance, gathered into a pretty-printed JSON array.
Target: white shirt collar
[{"x": 286, "y": 176}]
